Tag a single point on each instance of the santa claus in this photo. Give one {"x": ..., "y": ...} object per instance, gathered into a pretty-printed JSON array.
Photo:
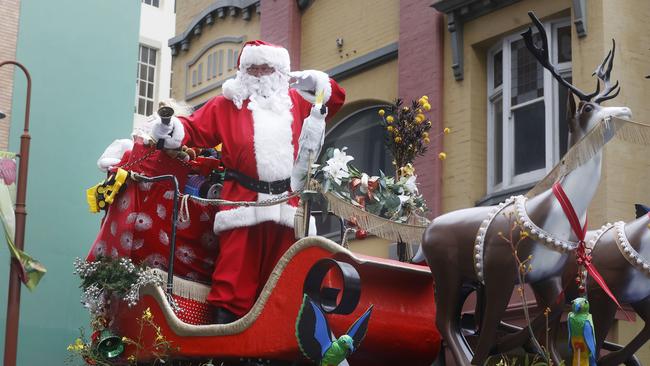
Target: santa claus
[{"x": 258, "y": 119}]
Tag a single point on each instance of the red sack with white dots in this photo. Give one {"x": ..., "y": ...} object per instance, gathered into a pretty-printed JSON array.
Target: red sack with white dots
[{"x": 138, "y": 224}]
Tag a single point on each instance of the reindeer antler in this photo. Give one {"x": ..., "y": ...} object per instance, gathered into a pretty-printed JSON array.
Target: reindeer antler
[
  {"x": 603, "y": 73},
  {"x": 542, "y": 55}
]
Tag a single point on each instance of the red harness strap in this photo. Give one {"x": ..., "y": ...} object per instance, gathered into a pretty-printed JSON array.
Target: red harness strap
[{"x": 583, "y": 258}]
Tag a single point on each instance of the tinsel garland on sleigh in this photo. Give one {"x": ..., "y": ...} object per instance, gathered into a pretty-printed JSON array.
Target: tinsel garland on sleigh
[{"x": 409, "y": 232}]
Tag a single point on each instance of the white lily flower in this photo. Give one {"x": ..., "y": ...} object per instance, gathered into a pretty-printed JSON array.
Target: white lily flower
[
  {"x": 337, "y": 166},
  {"x": 410, "y": 185}
]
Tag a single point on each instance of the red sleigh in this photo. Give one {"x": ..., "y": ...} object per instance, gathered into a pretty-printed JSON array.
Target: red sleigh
[{"x": 401, "y": 330}]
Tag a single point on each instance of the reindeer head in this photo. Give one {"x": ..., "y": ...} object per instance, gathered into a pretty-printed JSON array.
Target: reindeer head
[{"x": 588, "y": 113}]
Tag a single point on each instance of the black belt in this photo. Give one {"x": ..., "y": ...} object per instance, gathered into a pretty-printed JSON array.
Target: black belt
[{"x": 259, "y": 186}]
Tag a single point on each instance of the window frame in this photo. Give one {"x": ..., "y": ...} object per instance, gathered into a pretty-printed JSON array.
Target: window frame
[
  {"x": 151, "y": 3},
  {"x": 154, "y": 81},
  {"x": 509, "y": 179}
]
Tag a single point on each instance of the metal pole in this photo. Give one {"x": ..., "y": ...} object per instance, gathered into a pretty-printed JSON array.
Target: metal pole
[{"x": 13, "y": 300}]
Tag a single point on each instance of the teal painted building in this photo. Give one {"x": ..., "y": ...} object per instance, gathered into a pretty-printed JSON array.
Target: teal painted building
[{"x": 82, "y": 56}]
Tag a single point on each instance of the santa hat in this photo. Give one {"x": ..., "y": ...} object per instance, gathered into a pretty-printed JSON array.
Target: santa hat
[{"x": 259, "y": 52}]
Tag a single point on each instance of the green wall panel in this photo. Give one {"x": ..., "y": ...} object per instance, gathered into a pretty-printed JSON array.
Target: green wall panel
[{"x": 82, "y": 55}]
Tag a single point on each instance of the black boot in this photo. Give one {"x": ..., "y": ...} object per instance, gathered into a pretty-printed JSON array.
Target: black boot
[{"x": 223, "y": 316}]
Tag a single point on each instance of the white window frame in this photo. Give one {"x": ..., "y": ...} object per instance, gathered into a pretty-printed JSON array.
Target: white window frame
[
  {"x": 155, "y": 82},
  {"x": 551, "y": 109},
  {"x": 150, "y": 3}
]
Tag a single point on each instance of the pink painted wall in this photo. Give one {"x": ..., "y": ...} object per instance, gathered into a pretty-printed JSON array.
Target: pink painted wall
[
  {"x": 280, "y": 24},
  {"x": 420, "y": 66}
]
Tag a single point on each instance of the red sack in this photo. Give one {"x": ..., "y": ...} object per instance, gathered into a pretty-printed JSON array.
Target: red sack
[{"x": 138, "y": 224}]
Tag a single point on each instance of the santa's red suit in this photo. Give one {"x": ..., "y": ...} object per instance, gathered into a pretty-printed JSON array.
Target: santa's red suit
[{"x": 260, "y": 143}]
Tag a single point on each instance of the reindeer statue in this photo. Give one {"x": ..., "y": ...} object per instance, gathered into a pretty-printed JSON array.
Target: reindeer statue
[
  {"x": 464, "y": 250},
  {"x": 621, "y": 252}
]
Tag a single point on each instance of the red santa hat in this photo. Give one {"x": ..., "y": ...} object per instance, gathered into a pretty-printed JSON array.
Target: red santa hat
[{"x": 259, "y": 52}]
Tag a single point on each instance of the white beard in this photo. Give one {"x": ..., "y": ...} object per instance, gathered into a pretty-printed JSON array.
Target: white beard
[{"x": 269, "y": 92}]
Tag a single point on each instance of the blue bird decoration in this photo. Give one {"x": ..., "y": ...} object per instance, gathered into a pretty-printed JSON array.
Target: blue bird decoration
[{"x": 317, "y": 342}]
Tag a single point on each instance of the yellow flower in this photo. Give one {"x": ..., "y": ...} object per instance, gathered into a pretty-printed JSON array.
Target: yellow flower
[
  {"x": 159, "y": 338},
  {"x": 425, "y": 97},
  {"x": 381, "y": 112},
  {"x": 398, "y": 139},
  {"x": 446, "y": 130},
  {"x": 442, "y": 156},
  {"x": 131, "y": 358},
  {"x": 77, "y": 346},
  {"x": 428, "y": 123},
  {"x": 146, "y": 315},
  {"x": 390, "y": 119},
  {"x": 425, "y": 135},
  {"x": 407, "y": 170},
  {"x": 426, "y": 140},
  {"x": 418, "y": 119},
  {"x": 427, "y": 106},
  {"x": 390, "y": 129},
  {"x": 524, "y": 234},
  {"x": 405, "y": 109}
]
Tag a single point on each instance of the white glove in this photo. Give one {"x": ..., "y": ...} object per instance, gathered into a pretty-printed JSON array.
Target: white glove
[
  {"x": 304, "y": 80},
  {"x": 173, "y": 133},
  {"x": 309, "y": 146},
  {"x": 113, "y": 154}
]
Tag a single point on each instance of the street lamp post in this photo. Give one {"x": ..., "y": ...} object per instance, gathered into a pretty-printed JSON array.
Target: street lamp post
[{"x": 13, "y": 300}]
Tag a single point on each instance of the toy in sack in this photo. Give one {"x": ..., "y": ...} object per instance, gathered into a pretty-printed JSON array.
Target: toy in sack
[{"x": 103, "y": 194}]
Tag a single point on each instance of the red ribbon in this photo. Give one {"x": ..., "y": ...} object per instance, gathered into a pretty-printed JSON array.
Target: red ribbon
[{"x": 581, "y": 252}]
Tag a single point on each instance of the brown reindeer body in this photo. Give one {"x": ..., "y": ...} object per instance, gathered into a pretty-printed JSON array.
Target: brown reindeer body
[{"x": 464, "y": 249}]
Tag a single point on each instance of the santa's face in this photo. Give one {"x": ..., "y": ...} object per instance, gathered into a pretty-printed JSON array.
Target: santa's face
[
  {"x": 264, "y": 81},
  {"x": 260, "y": 70}
]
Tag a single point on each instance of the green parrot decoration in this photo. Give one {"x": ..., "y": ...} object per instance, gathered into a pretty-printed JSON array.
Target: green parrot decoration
[
  {"x": 316, "y": 340},
  {"x": 582, "y": 339}
]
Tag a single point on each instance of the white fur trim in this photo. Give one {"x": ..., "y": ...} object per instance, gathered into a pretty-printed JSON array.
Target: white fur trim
[
  {"x": 272, "y": 140},
  {"x": 233, "y": 90},
  {"x": 282, "y": 214},
  {"x": 278, "y": 57},
  {"x": 114, "y": 153},
  {"x": 322, "y": 83}
]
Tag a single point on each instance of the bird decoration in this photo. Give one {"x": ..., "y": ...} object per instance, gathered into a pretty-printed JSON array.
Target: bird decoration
[
  {"x": 317, "y": 342},
  {"x": 582, "y": 339}
]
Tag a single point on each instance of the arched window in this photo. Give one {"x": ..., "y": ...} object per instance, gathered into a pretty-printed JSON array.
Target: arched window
[{"x": 364, "y": 137}]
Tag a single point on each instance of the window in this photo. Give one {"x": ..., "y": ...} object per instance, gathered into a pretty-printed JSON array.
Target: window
[
  {"x": 155, "y": 3},
  {"x": 364, "y": 138},
  {"x": 527, "y": 129},
  {"x": 146, "y": 80}
]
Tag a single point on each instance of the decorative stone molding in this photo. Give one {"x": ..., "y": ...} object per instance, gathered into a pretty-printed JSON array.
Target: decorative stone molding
[
  {"x": 220, "y": 8},
  {"x": 460, "y": 11},
  {"x": 580, "y": 17},
  {"x": 212, "y": 66}
]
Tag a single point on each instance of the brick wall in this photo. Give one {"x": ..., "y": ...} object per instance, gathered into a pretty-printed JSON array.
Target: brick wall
[
  {"x": 9, "y": 36},
  {"x": 280, "y": 24},
  {"x": 420, "y": 73},
  {"x": 363, "y": 25}
]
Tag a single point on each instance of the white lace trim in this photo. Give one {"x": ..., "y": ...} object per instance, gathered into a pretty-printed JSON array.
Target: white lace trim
[
  {"x": 628, "y": 252},
  {"x": 535, "y": 233}
]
